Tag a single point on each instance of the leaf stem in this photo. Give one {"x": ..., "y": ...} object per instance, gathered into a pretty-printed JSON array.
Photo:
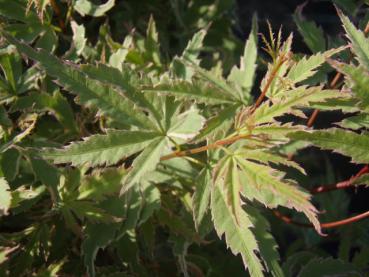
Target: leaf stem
[
  {"x": 204, "y": 148},
  {"x": 269, "y": 82}
]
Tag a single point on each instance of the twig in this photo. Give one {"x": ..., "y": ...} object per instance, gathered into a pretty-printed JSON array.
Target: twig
[
  {"x": 340, "y": 185},
  {"x": 203, "y": 148},
  {"x": 57, "y": 11},
  {"x": 269, "y": 82},
  {"x": 326, "y": 225},
  {"x": 322, "y": 189}
]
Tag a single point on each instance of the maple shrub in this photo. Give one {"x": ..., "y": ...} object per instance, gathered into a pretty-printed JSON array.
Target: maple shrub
[{"x": 139, "y": 158}]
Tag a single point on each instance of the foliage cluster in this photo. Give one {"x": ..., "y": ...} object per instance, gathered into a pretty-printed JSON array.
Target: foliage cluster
[{"x": 132, "y": 152}]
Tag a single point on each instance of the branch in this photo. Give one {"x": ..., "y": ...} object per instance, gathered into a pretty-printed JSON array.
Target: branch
[
  {"x": 326, "y": 225},
  {"x": 341, "y": 185},
  {"x": 269, "y": 82},
  {"x": 321, "y": 189},
  {"x": 57, "y": 11},
  {"x": 204, "y": 148}
]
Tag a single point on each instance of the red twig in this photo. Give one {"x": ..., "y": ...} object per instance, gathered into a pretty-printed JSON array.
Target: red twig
[
  {"x": 57, "y": 11},
  {"x": 340, "y": 185},
  {"x": 321, "y": 189},
  {"x": 326, "y": 225}
]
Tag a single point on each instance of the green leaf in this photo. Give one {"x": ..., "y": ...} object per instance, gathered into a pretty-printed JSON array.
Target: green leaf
[
  {"x": 299, "y": 97},
  {"x": 355, "y": 122},
  {"x": 85, "y": 7},
  {"x": 307, "y": 67},
  {"x": 151, "y": 201},
  {"x": 344, "y": 142},
  {"x": 311, "y": 33},
  {"x": 328, "y": 267},
  {"x": 226, "y": 177},
  {"x": 244, "y": 76},
  {"x": 102, "y": 149},
  {"x": 186, "y": 125},
  {"x": 56, "y": 104},
  {"x": 267, "y": 244},
  {"x": 357, "y": 78},
  {"x": 79, "y": 37},
  {"x": 101, "y": 184},
  {"x": 286, "y": 192},
  {"x": 200, "y": 91},
  {"x": 152, "y": 52},
  {"x": 201, "y": 196},
  {"x": 238, "y": 235},
  {"x": 5, "y": 197},
  {"x": 90, "y": 92},
  {"x": 191, "y": 53},
  {"x": 145, "y": 162},
  {"x": 97, "y": 236},
  {"x": 360, "y": 44}
]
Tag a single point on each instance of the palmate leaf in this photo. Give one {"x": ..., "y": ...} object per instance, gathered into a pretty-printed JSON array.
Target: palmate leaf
[
  {"x": 344, "y": 142},
  {"x": 244, "y": 76},
  {"x": 286, "y": 192},
  {"x": 307, "y": 66},
  {"x": 360, "y": 44},
  {"x": 191, "y": 53},
  {"x": 105, "y": 149},
  {"x": 311, "y": 33},
  {"x": 299, "y": 97},
  {"x": 226, "y": 177},
  {"x": 145, "y": 162},
  {"x": 357, "y": 78},
  {"x": 238, "y": 235},
  {"x": 185, "y": 126},
  {"x": 5, "y": 197},
  {"x": 90, "y": 92},
  {"x": 355, "y": 122},
  {"x": 267, "y": 244},
  {"x": 201, "y": 196},
  {"x": 85, "y": 7},
  {"x": 200, "y": 91}
]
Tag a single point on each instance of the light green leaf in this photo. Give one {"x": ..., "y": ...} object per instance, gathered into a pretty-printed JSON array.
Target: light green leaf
[
  {"x": 244, "y": 76},
  {"x": 79, "y": 39},
  {"x": 355, "y": 122},
  {"x": 286, "y": 192},
  {"x": 344, "y": 142},
  {"x": 358, "y": 80},
  {"x": 5, "y": 197},
  {"x": 268, "y": 158},
  {"x": 90, "y": 92},
  {"x": 196, "y": 90},
  {"x": 85, "y": 7},
  {"x": 307, "y": 66},
  {"x": 151, "y": 201},
  {"x": 201, "y": 196},
  {"x": 299, "y": 97},
  {"x": 191, "y": 53},
  {"x": 238, "y": 235},
  {"x": 102, "y": 149},
  {"x": 360, "y": 44},
  {"x": 186, "y": 126},
  {"x": 145, "y": 162}
]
